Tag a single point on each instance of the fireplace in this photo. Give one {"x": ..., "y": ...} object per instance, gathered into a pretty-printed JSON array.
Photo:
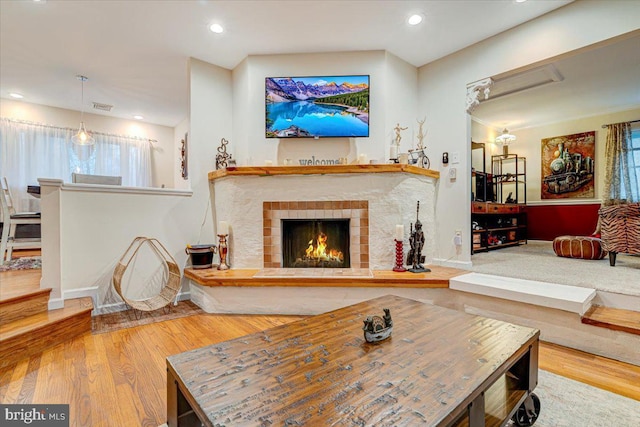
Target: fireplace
[
  {"x": 315, "y": 243},
  {"x": 353, "y": 231}
]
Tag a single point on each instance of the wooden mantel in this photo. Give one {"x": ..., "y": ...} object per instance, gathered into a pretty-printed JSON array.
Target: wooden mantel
[{"x": 320, "y": 170}]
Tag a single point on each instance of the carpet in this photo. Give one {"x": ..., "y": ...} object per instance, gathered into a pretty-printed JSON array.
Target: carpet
[
  {"x": 131, "y": 318},
  {"x": 23, "y": 263},
  {"x": 536, "y": 260},
  {"x": 569, "y": 403}
]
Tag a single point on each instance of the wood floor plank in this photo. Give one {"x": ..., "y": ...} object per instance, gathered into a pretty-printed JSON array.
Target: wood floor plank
[
  {"x": 120, "y": 376},
  {"x": 104, "y": 402},
  {"x": 15, "y": 377},
  {"x": 617, "y": 377},
  {"x": 30, "y": 379}
]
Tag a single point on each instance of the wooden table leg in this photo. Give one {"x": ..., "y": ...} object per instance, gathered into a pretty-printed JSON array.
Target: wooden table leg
[
  {"x": 172, "y": 400},
  {"x": 476, "y": 411}
]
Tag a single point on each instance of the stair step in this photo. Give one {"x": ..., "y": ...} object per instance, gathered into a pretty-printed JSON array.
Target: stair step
[
  {"x": 562, "y": 297},
  {"x": 14, "y": 306},
  {"x": 31, "y": 335},
  {"x": 613, "y": 318}
]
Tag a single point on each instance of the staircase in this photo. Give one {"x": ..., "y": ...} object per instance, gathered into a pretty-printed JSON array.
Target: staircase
[{"x": 28, "y": 328}]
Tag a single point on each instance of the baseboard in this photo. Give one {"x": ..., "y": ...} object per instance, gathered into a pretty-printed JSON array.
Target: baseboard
[
  {"x": 121, "y": 306},
  {"x": 91, "y": 292},
  {"x": 620, "y": 301},
  {"x": 55, "y": 303}
]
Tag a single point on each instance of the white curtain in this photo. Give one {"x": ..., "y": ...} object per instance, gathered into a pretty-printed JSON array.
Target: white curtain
[{"x": 30, "y": 151}]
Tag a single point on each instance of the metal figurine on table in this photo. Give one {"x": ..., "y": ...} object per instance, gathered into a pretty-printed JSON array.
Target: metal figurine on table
[
  {"x": 416, "y": 241},
  {"x": 223, "y": 251},
  {"x": 223, "y": 158}
]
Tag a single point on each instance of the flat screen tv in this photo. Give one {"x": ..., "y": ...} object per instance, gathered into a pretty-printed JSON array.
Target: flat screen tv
[{"x": 317, "y": 107}]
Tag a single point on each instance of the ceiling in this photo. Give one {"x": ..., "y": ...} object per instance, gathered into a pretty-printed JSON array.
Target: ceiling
[
  {"x": 135, "y": 52},
  {"x": 603, "y": 79}
]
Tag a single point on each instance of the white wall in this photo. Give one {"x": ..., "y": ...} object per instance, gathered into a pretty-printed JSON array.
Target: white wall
[
  {"x": 393, "y": 88},
  {"x": 162, "y": 153},
  {"x": 442, "y": 92},
  {"x": 211, "y": 119},
  {"x": 179, "y": 132}
]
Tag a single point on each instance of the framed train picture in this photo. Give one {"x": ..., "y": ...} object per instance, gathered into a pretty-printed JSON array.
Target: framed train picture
[{"x": 568, "y": 166}]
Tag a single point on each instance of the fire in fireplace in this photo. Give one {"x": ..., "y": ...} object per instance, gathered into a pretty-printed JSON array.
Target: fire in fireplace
[{"x": 315, "y": 243}]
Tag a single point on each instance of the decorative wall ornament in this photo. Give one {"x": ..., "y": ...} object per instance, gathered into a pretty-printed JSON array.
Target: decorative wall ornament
[
  {"x": 568, "y": 166},
  {"x": 222, "y": 158},
  {"x": 473, "y": 92},
  {"x": 184, "y": 167}
]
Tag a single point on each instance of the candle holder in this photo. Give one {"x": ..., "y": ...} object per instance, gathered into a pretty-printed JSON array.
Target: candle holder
[
  {"x": 223, "y": 250},
  {"x": 398, "y": 267}
]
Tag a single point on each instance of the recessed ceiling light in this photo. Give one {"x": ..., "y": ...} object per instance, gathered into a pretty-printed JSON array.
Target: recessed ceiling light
[
  {"x": 414, "y": 19},
  {"x": 216, "y": 28},
  {"x": 138, "y": 117},
  {"x": 16, "y": 95},
  {"x": 520, "y": 1}
]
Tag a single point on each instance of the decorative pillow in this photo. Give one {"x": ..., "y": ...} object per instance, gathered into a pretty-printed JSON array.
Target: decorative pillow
[{"x": 579, "y": 247}]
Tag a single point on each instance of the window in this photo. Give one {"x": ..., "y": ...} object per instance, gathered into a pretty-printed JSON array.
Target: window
[
  {"x": 633, "y": 193},
  {"x": 29, "y": 151}
]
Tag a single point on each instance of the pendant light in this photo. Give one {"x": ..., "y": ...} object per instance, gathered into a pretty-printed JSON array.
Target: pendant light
[
  {"x": 505, "y": 139},
  {"x": 82, "y": 137}
]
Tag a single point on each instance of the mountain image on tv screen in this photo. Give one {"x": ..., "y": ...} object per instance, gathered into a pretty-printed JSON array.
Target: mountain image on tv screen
[{"x": 317, "y": 107}]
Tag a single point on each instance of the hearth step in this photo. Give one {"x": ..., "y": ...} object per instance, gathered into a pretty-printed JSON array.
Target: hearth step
[
  {"x": 613, "y": 318},
  {"x": 15, "y": 306},
  {"x": 33, "y": 334},
  {"x": 562, "y": 297}
]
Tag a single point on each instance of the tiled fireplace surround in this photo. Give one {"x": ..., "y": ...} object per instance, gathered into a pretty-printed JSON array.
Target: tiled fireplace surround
[{"x": 357, "y": 211}]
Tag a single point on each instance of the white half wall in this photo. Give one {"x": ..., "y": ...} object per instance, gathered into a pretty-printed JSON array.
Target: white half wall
[
  {"x": 442, "y": 93},
  {"x": 86, "y": 229}
]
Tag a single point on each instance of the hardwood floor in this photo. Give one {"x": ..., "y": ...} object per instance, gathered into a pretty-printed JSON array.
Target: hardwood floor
[
  {"x": 617, "y": 377},
  {"x": 119, "y": 378}
]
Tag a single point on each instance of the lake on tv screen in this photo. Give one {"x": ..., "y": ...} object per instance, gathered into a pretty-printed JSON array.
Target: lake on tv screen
[{"x": 316, "y": 119}]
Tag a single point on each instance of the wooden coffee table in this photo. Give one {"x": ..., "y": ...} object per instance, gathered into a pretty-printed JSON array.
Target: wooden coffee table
[{"x": 440, "y": 367}]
